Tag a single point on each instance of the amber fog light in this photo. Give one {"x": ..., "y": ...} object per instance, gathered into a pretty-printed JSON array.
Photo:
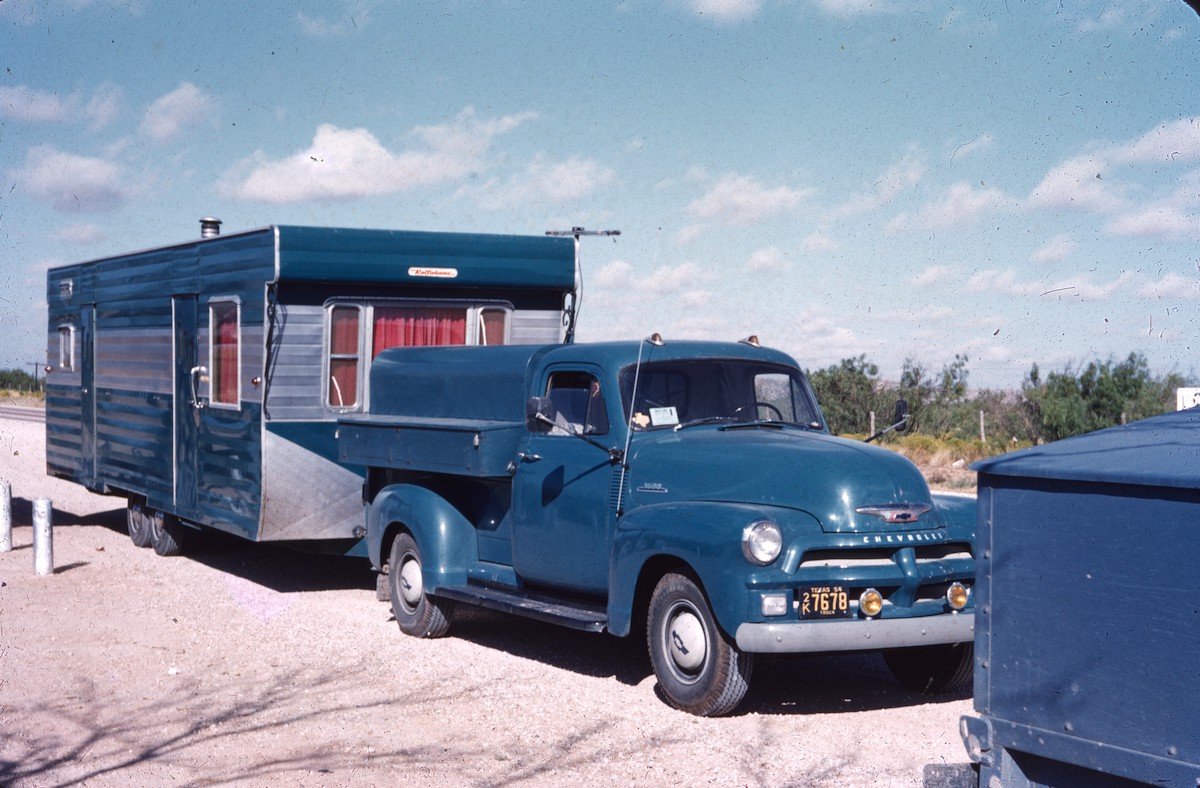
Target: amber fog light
[
  {"x": 870, "y": 603},
  {"x": 957, "y": 596}
]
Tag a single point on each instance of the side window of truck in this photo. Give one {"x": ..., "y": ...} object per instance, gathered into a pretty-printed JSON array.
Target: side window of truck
[
  {"x": 578, "y": 404},
  {"x": 224, "y": 351}
]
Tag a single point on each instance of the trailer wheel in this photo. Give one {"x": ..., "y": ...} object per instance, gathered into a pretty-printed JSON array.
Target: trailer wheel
[
  {"x": 166, "y": 533},
  {"x": 931, "y": 670},
  {"x": 138, "y": 522},
  {"x": 699, "y": 669},
  {"x": 418, "y": 614}
]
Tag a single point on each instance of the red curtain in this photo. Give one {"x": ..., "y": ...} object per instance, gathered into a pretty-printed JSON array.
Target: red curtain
[
  {"x": 343, "y": 361},
  {"x": 418, "y": 326},
  {"x": 225, "y": 354}
]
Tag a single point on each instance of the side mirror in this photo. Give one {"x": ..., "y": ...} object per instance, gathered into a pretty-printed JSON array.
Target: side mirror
[
  {"x": 539, "y": 413},
  {"x": 901, "y": 420}
]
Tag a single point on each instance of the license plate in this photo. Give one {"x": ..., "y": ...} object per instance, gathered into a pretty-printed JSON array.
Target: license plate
[{"x": 824, "y": 602}]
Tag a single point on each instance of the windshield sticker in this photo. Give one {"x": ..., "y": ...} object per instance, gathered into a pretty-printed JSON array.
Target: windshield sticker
[{"x": 664, "y": 417}]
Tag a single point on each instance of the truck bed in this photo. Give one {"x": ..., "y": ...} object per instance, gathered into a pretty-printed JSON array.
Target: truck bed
[{"x": 465, "y": 447}]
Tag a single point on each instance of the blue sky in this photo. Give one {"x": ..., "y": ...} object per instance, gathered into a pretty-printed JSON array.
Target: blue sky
[{"x": 1014, "y": 181}]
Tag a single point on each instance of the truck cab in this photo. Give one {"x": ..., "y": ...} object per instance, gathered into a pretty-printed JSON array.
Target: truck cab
[{"x": 687, "y": 490}]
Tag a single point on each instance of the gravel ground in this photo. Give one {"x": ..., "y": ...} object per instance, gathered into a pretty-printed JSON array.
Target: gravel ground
[{"x": 245, "y": 664}]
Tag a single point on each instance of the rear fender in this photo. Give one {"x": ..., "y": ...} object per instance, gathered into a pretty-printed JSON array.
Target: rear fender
[{"x": 446, "y": 539}]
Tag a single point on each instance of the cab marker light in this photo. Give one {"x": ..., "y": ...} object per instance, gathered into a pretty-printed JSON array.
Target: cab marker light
[
  {"x": 870, "y": 603},
  {"x": 957, "y": 596}
]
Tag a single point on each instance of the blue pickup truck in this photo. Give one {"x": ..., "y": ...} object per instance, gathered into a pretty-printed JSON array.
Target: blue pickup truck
[{"x": 687, "y": 490}]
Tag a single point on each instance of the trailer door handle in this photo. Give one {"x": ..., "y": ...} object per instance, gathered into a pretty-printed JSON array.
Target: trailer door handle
[
  {"x": 198, "y": 375},
  {"x": 526, "y": 457}
]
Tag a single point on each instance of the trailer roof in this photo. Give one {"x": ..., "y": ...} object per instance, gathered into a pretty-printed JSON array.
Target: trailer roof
[{"x": 1163, "y": 451}]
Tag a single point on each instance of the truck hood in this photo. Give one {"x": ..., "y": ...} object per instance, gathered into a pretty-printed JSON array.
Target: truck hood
[{"x": 827, "y": 477}]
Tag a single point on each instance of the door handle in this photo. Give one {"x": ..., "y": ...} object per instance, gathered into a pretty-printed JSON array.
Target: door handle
[
  {"x": 198, "y": 375},
  {"x": 527, "y": 457}
]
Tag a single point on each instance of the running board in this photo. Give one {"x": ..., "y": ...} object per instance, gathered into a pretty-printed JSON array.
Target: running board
[{"x": 572, "y": 613}]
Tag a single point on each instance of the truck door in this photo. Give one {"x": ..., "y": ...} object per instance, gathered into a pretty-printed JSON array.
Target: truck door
[
  {"x": 187, "y": 406},
  {"x": 562, "y": 512}
]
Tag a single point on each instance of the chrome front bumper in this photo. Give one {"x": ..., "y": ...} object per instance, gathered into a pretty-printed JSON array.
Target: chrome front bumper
[{"x": 801, "y": 637}]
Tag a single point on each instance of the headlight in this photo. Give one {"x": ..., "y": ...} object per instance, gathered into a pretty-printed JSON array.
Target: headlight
[{"x": 761, "y": 542}]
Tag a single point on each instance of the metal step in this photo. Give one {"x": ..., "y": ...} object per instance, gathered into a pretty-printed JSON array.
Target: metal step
[{"x": 573, "y": 613}]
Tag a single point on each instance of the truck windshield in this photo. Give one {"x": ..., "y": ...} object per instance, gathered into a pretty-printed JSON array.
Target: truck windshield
[{"x": 681, "y": 393}]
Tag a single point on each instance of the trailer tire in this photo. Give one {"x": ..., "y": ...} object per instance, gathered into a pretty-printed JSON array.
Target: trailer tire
[
  {"x": 932, "y": 670},
  {"x": 137, "y": 522},
  {"x": 419, "y": 614},
  {"x": 699, "y": 669},
  {"x": 166, "y": 533}
]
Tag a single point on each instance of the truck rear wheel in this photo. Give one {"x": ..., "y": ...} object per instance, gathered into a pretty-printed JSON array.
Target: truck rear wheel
[
  {"x": 699, "y": 669},
  {"x": 137, "y": 522},
  {"x": 931, "y": 670},
  {"x": 417, "y": 613}
]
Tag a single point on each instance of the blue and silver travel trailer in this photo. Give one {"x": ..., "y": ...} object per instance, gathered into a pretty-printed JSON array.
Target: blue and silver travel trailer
[{"x": 203, "y": 381}]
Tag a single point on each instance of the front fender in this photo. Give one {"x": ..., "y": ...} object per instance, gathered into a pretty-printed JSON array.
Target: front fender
[
  {"x": 445, "y": 538},
  {"x": 958, "y": 511},
  {"x": 707, "y": 537}
]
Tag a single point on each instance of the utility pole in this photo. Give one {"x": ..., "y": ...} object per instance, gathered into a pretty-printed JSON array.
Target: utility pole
[{"x": 36, "y": 366}]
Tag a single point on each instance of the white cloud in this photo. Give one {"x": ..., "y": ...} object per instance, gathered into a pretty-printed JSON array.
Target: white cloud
[
  {"x": 1085, "y": 288},
  {"x": 170, "y": 115},
  {"x": 35, "y": 106},
  {"x": 71, "y": 183},
  {"x": 1078, "y": 183},
  {"x": 934, "y": 274},
  {"x": 690, "y": 233},
  {"x": 1173, "y": 285},
  {"x": 769, "y": 259},
  {"x": 616, "y": 274},
  {"x": 819, "y": 241},
  {"x": 897, "y": 179},
  {"x": 1057, "y": 248},
  {"x": 353, "y": 15},
  {"x": 1159, "y": 220},
  {"x": 853, "y": 7},
  {"x": 82, "y": 233},
  {"x": 543, "y": 181},
  {"x": 980, "y": 143},
  {"x": 726, "y": 10},
  {"x": 1176, "y": 141},
  {"x": 742, "y": 200},
  {"x": 993, "y": 281},
  {"x": 351, "y": 163},
  {"x": 963, "y": 203}
]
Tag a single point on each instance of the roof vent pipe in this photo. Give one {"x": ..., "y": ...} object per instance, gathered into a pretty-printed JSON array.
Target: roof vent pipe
[{"x": 210, "y": 227}]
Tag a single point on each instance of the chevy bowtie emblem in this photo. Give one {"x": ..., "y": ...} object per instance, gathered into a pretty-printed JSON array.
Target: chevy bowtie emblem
[{"x": 896, "y": 512}]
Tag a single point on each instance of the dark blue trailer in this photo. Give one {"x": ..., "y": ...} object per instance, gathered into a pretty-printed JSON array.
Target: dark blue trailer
[
  {"x": 1088, "y": 610},
  {"x": 203, "y": 381}
]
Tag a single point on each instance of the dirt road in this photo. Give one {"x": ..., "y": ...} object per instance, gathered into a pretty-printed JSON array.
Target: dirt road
[{"x": 244, "y": 664}]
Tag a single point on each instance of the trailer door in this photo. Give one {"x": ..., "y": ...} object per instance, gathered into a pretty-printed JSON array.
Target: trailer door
[
  {"x": 187, "y": 404},
  {"x": 87, "y": 394}
]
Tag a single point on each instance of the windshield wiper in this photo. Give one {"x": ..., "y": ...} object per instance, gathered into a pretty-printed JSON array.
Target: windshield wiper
[
  {"x": 812, "y": 425},
  {"x": 702, "y": 420}
]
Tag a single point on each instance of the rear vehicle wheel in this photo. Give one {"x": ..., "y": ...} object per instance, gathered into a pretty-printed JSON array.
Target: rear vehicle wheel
[
  {"x": 417, "y": 613},
  {"x": 699, "y": 669},
  {"x": 137, "y": 522},
  {"x": 166, "y": 533},
  {"x": 932, "y": 670}
]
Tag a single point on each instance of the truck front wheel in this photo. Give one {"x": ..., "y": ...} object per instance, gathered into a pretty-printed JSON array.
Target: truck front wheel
[
  {"x": 417, "y": 613},
  {"x": 699, "y": 669},
  {"x": 931, "y": 670}
]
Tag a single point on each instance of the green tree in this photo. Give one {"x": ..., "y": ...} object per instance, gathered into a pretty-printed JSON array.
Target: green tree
[{"x": 847, "y": 393}]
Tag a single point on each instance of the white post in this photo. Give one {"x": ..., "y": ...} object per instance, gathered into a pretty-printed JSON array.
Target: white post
[
  {"x": 5, "y": 517},
  {"x": 872, "y": 430},
  {"x": 43, "y": 538},
  {"x": 982, "y": 432}
]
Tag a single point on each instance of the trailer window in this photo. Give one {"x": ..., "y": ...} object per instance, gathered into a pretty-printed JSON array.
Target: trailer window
[
  {"x": 404, "y": 326},
  {"x": 343, "y": 356},
  {"x": 492, "y": 325},
  {"x": 66, "y": 348},
  {"x": 223, "y": 322}
]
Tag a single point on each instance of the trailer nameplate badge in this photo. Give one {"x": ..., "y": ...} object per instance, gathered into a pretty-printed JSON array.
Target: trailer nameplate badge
[{"x": 436, "y": 273}]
